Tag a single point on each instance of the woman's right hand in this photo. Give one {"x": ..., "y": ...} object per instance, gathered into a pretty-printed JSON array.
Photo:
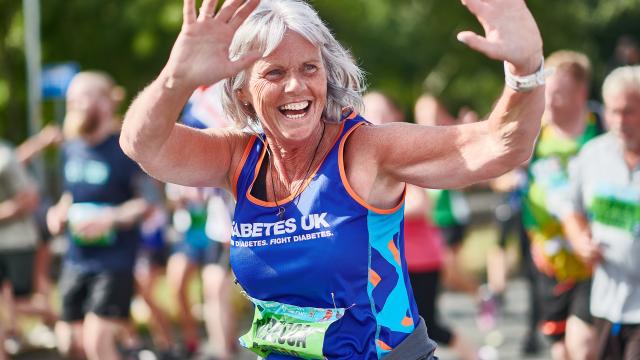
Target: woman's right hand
[{"x": 200, "y": 55}]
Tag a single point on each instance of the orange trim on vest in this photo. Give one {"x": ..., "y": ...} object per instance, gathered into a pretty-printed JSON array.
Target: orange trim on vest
[
  {"x": 352, "y": 115},
  {"x": 394, "y": 250},
  {"x": 289, "y": 198},
  {"x": 374, "y": 278},
  {"x": 383, "y": 346},
  {"x": 407, "y": 321},
  {"x": 347, "y": 186},
  {"x": 240, "y": 166}
]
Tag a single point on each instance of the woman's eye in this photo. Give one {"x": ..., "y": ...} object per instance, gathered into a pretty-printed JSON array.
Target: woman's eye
[
  {"x": 310, "y": 68},
  {"x": 274, "y": 73}
]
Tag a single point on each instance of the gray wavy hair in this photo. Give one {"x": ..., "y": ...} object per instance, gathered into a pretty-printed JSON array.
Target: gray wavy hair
[
  {"x": 264, "y": 29},
  {"x": 625, "y": 78}
]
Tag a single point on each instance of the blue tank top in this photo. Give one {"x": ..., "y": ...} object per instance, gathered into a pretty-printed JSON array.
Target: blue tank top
[{"x": 330, "y": 249}]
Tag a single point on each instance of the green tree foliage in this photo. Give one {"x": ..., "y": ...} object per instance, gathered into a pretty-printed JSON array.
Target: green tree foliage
[
  {"x": 12, "y": 79},
  {"x": 409, "y": 46},
  {"x": 406, "y": 46}
]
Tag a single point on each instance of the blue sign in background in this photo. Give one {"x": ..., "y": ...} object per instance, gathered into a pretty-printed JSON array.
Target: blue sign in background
[{"x": 56, "y": 79}]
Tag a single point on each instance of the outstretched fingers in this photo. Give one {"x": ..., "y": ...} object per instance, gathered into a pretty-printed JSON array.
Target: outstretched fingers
[
  {"x": 229, "y": 9},
  {"x": 479, "y": 44},
  {"x": 188, "y": 12},
  {"x": 208, "y": 9},
  {"x": 241, "y": 15},
  {"x": 477, "y": 7}
]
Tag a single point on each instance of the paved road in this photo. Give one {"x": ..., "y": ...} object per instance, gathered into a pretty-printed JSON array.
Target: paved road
[{"x": 459, "y": 310}]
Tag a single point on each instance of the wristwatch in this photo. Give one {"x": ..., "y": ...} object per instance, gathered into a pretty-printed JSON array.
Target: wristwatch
[{"x": 528, "y": 82}]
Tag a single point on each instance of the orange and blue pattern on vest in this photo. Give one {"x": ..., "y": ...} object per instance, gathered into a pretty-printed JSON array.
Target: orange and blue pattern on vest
[{"x": 390, "y": 294}]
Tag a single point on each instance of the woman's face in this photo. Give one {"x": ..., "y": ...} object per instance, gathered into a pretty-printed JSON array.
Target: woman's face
[{"x": 288, "y": 88}]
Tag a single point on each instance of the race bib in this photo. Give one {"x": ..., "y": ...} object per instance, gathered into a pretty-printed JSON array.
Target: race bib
[
  {"x": 288, "y": 329},
  {"x": 618, "y": 208},
  {"x": 81, "y": 212}
]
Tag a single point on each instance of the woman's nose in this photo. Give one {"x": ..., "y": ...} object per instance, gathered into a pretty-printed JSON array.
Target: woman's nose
[{"x": 294, "y": 84}]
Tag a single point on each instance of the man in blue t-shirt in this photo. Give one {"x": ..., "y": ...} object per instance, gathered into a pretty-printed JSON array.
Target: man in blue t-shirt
[{"x": 100, "y": 211}]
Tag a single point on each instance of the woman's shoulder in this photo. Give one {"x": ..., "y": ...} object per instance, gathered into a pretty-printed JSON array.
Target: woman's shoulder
[
  {"x": 239, "y": 142},
  {"x": 371, "y": 138}
]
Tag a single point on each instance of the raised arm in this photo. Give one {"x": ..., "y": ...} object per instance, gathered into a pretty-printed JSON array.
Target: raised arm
[
  {"x": 33, "y": 146},
  {"x": 200, "y": 56},
  {"x": 456, "y": 156}
]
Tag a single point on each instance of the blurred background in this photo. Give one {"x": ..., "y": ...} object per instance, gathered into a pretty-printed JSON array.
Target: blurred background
[{"x": 405, "y": 46}]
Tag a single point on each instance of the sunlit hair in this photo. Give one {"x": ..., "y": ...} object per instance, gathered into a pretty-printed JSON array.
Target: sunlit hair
[
  {"x": 576, "y": 64},
  {"x": 265, "y": 29},
  {"x": 101, "y": 80},
  {"x": 98, "y": 80},
  {"x": 621, "y": 80}
]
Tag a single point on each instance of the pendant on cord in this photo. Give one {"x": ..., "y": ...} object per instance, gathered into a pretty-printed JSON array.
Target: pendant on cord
[{"x": 281, "y": 211}]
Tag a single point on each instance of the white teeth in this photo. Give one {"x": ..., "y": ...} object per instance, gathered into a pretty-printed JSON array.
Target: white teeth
[
  {"x": 295, "y": 106},
  {"x": 295, "y": 116}
]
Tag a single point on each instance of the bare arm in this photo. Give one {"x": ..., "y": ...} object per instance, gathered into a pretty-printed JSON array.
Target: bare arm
[
  {"x": 457, "y": 156},
  {"x": 576, "y": 228},
  {"x": 57, "y": 214},
  {"x": 171, "y": 152},
  {"x": 23, "y": 203},
  {"x": 128, "y": 213},
  {"x": 23, "y": 192},
  {"x": 123, "y": 216},
  {"x": 48, "y": 136}
]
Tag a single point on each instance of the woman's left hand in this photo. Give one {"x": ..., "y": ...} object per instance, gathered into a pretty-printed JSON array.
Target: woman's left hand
[{"x": 511, "y": 34}]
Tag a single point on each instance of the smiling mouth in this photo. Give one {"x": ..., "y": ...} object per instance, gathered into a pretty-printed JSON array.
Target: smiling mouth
[{"x": 295, "y": 110}]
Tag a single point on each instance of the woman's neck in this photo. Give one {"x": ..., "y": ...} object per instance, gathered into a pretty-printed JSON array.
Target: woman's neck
[{"x": 291, "y": 164}]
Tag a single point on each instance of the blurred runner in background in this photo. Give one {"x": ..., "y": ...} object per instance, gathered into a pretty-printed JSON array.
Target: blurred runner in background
[
  {"x": 602, "y": 217},
  {"x": 100, "y": 210},
  {"x": 18, "y": 241},
  {"x": 563, "y": 279}
]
